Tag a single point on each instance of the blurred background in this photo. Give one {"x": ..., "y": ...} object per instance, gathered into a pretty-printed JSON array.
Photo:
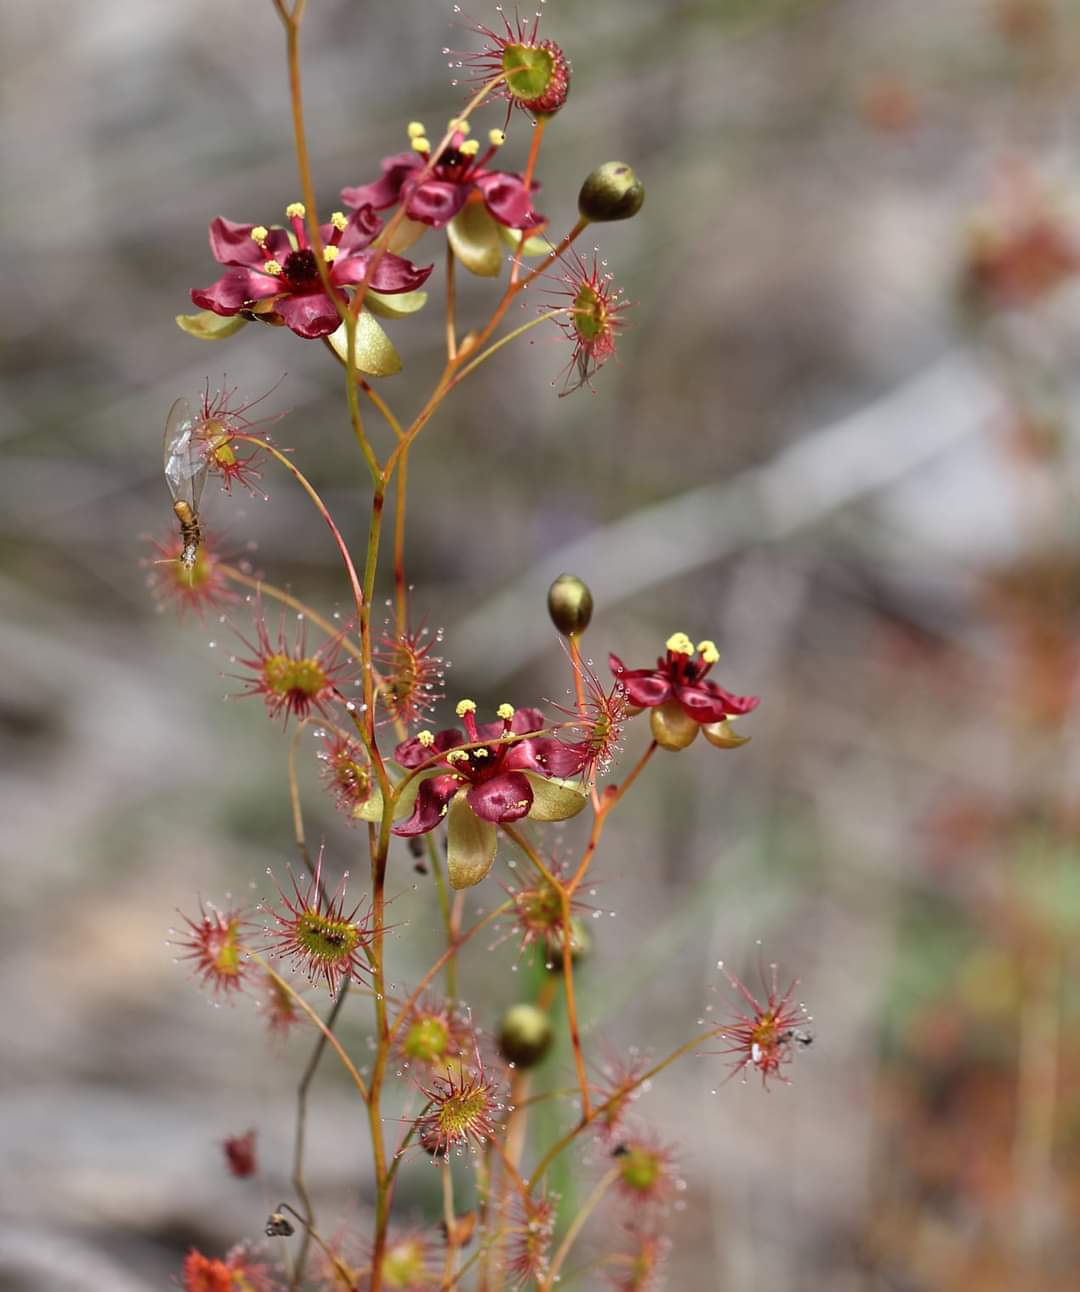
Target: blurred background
[{"x": 838, "y": 438}]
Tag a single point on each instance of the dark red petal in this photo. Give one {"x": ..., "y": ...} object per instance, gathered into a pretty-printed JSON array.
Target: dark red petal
[
  {"x": 363, "y": 227},
  {"x": 384, "y": 192},
  {"x": 311, "y": 315},
  {"x": 233, "y": 244},
  {"x": 436, "y": 202},
  {"x": 396, "y": 274},
  {"x": 645, "y": 687},
  {"x": 431, "y": 801},
  {"x": 507, "y": 797},
  {"x": 508, "y": 200},
  {"x": 411, "y": 753},
  {"x": 700, "y": 705},
  {"x": 548, "y": 756},
  {"x": 235, "y": 289},
  {"x": 735, "y": 704},
  {"x": 526, "y": 720}
]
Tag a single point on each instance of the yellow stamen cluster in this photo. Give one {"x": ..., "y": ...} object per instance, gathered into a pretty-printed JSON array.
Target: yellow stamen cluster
[
  {"x": 680, "y": 644},
  {"x": 469, "y": 148},
  {"x": 708, "y": 652},
  {"x": 330, "y": 254},
  {"x": 339, "y": 221},
  {"x": 272, "y": 267},
  {"x": 464, "y": 707},
  {"x": 459, "y": 124},
  {"x": 421, "y": 145},
  {"x": 296, "y": 211},
  {"x": 505, "y": 711},
  {"x": 416, "y": 129},
  {"x": 259, "y": 234},
  {"x": 426, "y": 738},
  {"x": 496, "y": 138},
  {"x": 458, "y": 756}
]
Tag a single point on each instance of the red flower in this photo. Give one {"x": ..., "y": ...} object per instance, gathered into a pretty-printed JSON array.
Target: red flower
[
  {"x": 536, "y": 72},
  {"x": 240, "y": 1154},
  {"x": 764, "y": 1037},
  {"x": 528, "y": 1250},
  {"x": 273, "y": 272},
  {"x": 236, "y": 1273},
  {"x": 647, "y": 1171},
  {"x": 462, "y": 1108},
  {"x": 291, "y": 681},
  {"x": 491, "y": 784},
  {"x": 680, "y": 696},
  {"x": 316, "y": 934},
  {"x": 411, "y": 676},
  {"x": 346, "y": 772},
  {"x": 459, "y": 173},
  {"x": 199, "y": 587},
  {"x": 213, "y": 943},
  {"x": 592, "y": 320}
]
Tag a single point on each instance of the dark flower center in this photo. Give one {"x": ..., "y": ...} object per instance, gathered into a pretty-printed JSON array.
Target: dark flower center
[
  {"x": 451, "y": 157},
  {"x": 301, "y": 267}
]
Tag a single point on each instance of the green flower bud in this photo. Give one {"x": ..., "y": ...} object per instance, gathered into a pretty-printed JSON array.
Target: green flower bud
[
  {"x": 580, "y": 946},
  {"x": 672, "y": 727},
  {"x": 611, "y": 192},
  {"x": 525, "y": 1035},
  {"x": 570, "y": 605}
]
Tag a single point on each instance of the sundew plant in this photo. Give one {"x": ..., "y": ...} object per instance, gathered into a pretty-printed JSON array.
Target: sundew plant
[{"x": 433, "y": 784}]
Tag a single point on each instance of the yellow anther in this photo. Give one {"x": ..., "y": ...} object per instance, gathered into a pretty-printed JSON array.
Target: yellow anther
[
  {"x": 260, "y": 233},
  {"x": 458, "y": 756},
  {"x": 470, "y": 148},
  {"x": 505, "y": 711},
  {"x": 272, "y": 267},
  {"x": 426, "y": 738},
  {"x": 496, "y": 138},
  {"x": 459, "y": 124},
  {"x": 330, "y": 254},
  {"x": 464, "y": 707},
  {"x": 481, "y": 753},
  {"x": 296, "y": 211},
  {"x": 680, "y": 644},
  {"x": 708, "y": 652},
  {"x": 339, "y": 220},
  {"x": 421, "y": 145},
  {"x": 416, "y": 128}
]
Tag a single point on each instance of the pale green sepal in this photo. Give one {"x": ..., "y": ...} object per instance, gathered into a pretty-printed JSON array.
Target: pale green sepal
[
  {"x": 537, "y": 245},
  {"x": 372, "y": 808},
  {"x": 474, "y": 237},
  {"x": 394, "y": 307},
  {"x": 407, "y": 233},
  {"x": 375, "y": 353},
  {"x": 470, "y": 844},
  {"x": 208, "y": 326},
  {"x": 553, "y": 799}
]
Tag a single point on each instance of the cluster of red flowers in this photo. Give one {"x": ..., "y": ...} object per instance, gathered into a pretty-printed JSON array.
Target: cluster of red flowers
[{"x": 468, "y": 786}]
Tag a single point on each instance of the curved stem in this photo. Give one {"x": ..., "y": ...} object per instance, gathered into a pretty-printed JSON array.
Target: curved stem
[
  {"x": 586, "y": 1210},
  {"x": 298, "y": 1178},
  {"x": 572, "y": 1134},
  {"x": 496, "y": 346},
  {"x": 320, "y": 506},
  {"x": 294, "y": 603},
  {"x": 530, "y": 171},
  {"x": 294, "y": 995},
  {"x": 451, "y": 303}
]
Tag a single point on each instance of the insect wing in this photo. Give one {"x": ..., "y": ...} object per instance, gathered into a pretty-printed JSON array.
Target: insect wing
[{"x": 186, "y": 459}]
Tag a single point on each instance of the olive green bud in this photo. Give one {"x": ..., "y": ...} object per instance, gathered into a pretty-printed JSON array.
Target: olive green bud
[
  {"x": 570, "y": 605},
  {"x": 611, "y": 192},
  {"x": 580, "y": 946},
  {"x": 525, "y": 1035},
  {"x": 671, "y": 726}
]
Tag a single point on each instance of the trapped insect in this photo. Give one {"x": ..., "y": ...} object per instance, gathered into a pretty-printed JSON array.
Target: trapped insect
[{"x": 186, "y": 465}]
